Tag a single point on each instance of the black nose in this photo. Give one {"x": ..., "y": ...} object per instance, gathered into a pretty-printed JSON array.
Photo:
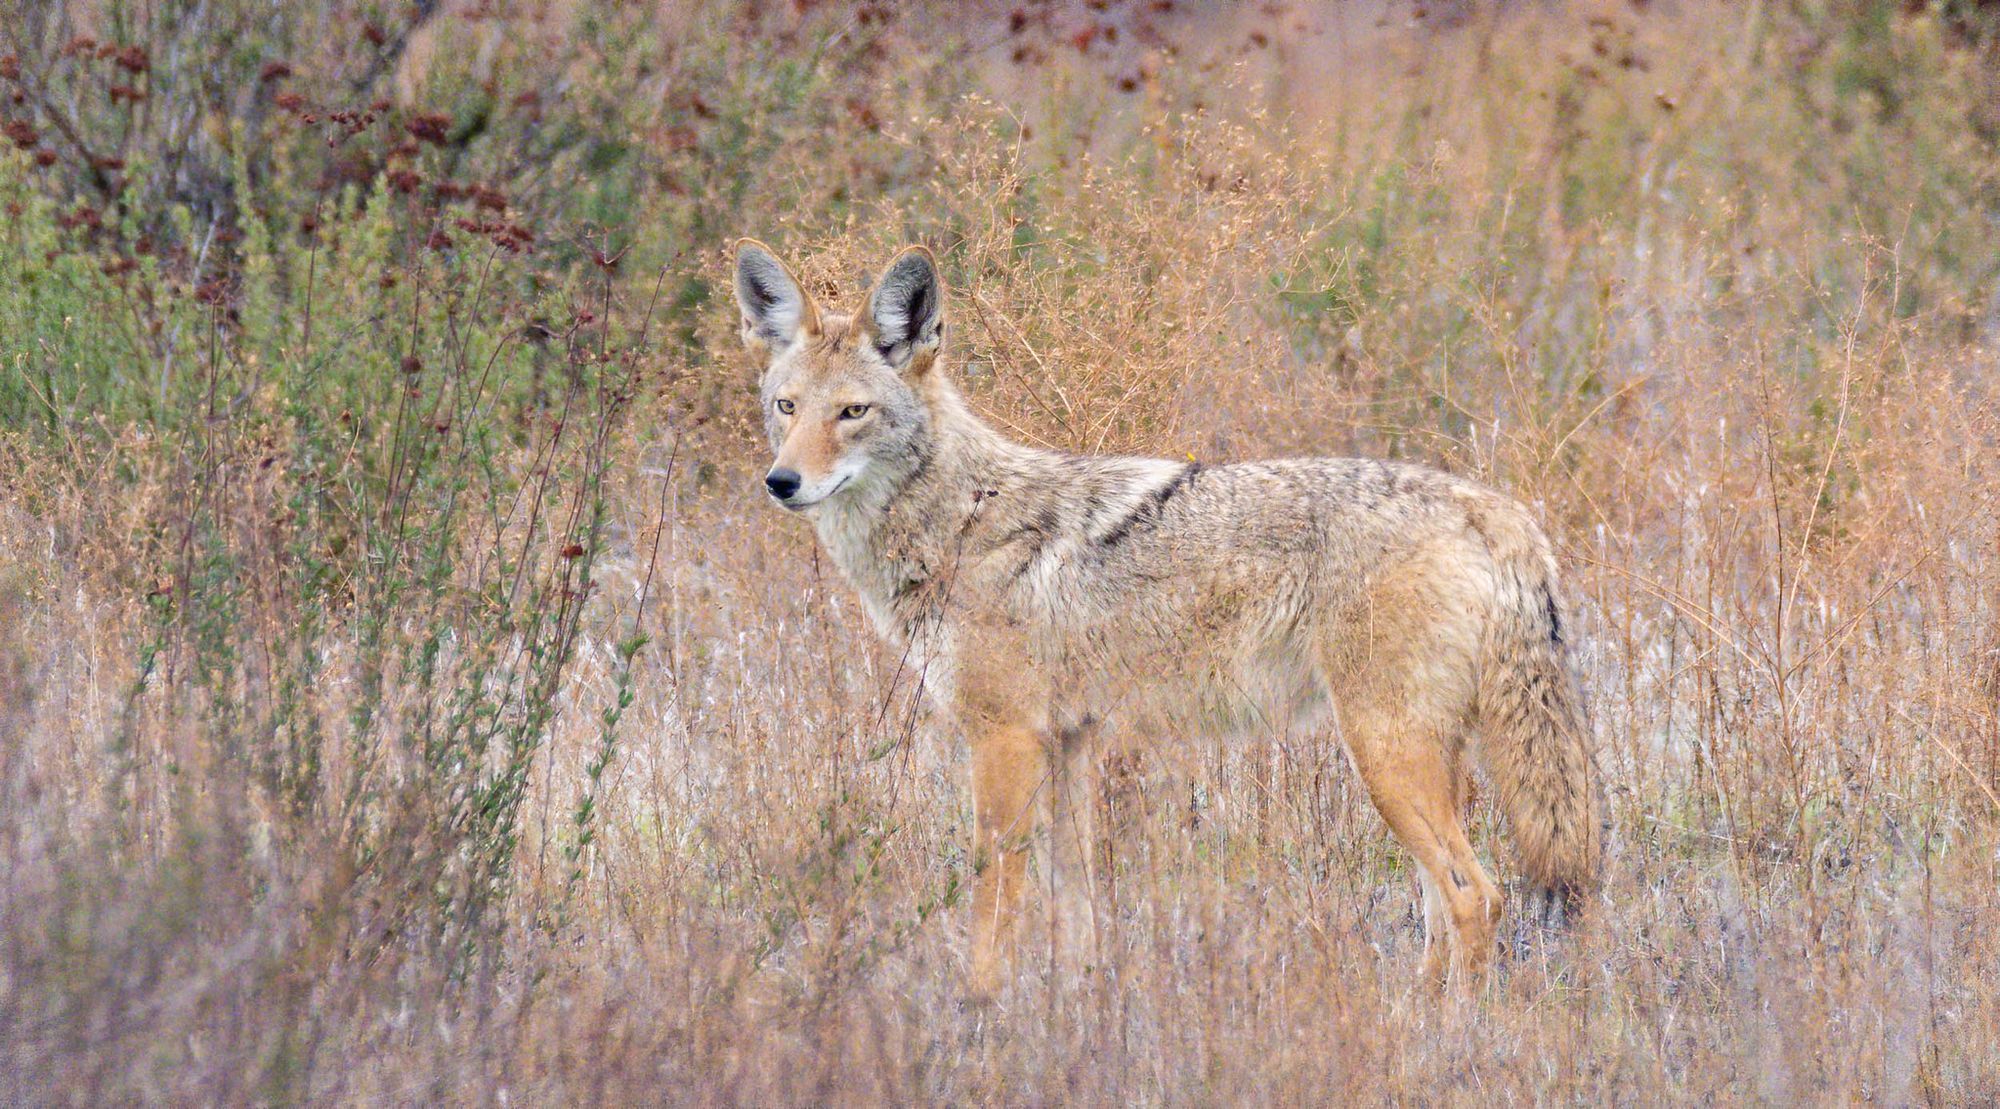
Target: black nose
[{"x": 782, "y": 483}]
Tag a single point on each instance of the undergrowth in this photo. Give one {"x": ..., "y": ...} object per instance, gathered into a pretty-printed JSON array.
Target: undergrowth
[{"x": 409, "y": 696}]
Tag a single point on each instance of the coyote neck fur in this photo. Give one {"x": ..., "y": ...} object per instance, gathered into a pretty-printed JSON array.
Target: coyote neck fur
[{"x": 900, "y": 540}]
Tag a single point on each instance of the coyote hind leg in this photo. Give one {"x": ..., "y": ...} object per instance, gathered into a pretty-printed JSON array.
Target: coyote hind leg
[{"x": 1412, "y": 776}]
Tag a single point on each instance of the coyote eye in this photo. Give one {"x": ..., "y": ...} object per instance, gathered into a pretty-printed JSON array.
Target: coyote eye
[
  {"x": 785, "y": 406},
  {"x": 854, "y": 412}
]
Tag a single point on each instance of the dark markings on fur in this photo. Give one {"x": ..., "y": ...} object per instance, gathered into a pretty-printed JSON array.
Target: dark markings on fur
[
  {"x": 1036, "y": 533},
  {"x": 917, "y": 472},
  {"x": 1458, "y": 879},
  {"x": 1555, "y": 619},
  {"x": 1180, "y": 482},
  {"x": 1117, "y": 535},
  {"x": 1047, "y": 521},
  {"x": 1149, "y": 509}
]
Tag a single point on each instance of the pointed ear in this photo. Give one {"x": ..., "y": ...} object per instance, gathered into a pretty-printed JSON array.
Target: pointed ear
[
  {"x": 776, "y": 310},
  {"x": 905, "y": 313}
]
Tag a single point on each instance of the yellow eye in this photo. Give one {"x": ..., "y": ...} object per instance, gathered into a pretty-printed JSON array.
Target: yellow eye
[
  {"x": 854, "y": 412},
  {"x": 785, "y": 406}
]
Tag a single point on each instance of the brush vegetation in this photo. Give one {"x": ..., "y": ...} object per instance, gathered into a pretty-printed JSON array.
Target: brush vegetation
[{"x": 409, "y": 693}]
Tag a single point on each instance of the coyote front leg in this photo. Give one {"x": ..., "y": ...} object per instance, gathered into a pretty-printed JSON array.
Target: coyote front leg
[{"x": 1009, "y": 766}]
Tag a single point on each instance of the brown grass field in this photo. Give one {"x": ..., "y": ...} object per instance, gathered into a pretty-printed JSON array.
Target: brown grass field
[{"x": 408, "y": 693}]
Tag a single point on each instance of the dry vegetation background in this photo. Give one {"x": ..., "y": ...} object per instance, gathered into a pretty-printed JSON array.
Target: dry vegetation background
[{"x": 408, "y": 694}]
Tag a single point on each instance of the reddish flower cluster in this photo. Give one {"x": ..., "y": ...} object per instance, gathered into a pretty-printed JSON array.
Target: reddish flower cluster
[
  {"x": 431, "y": 128},
  {"x": 510, "y": 237},
  {"x": 83, "y": 217},
  {"x": 132, "y": 59},
  {"x": 354, "y": 122},
  {"x": 482, "y": 196}
]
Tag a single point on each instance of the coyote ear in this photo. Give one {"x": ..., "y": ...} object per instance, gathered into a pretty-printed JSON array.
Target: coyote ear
[
  {"x": 775, "y": 309},
  {"x": 905, "y": 313}
]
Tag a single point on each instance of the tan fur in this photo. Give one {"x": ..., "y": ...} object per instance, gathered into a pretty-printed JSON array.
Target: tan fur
[{"x": 1056, "y": 604}]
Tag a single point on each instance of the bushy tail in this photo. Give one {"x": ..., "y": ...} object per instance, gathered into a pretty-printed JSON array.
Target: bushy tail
[{"x": 1535, "y": 738}]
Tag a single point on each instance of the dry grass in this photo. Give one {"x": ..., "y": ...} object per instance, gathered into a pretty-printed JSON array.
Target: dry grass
[{"x": 354, "y": 758}]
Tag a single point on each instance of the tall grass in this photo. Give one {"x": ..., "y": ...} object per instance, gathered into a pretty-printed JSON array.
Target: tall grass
[{"x": 408, "y": 695}]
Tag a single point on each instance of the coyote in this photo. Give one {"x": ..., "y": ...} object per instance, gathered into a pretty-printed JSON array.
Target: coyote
[{"x": 1054, "y": 600}]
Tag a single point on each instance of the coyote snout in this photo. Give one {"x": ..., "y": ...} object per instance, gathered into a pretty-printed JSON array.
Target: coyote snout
[
  {"x": 782, "y": 483},
  {"x": 1057, "y": 604}
]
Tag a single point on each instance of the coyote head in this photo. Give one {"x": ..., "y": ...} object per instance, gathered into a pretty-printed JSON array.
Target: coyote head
[{"x": 845, "y": 398}]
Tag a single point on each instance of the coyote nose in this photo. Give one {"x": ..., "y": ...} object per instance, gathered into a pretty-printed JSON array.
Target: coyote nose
[{"x": 782, "y": 483}]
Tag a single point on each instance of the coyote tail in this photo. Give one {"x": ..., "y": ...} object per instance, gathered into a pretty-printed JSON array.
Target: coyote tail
[{"x": 1535, "y": 739}]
